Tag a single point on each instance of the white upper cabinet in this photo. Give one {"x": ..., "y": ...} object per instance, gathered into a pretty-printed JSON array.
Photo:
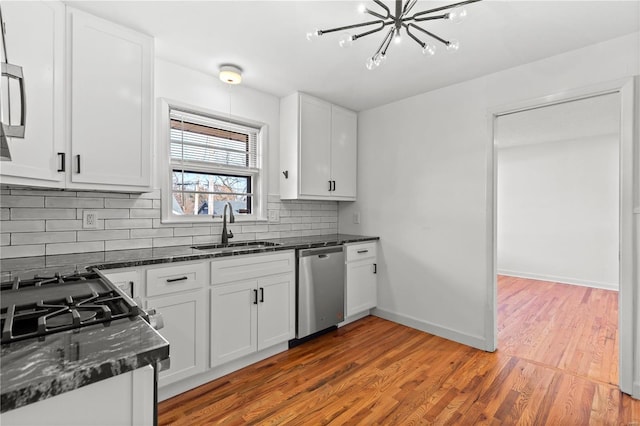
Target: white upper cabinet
[
  {"x": 318, "y": 151},
  {"x": 89, "y": 89},
  {"x": 110, "y": 104},
  {"x": 35, "y": 41},
  {"x": 344, "y": 129}
]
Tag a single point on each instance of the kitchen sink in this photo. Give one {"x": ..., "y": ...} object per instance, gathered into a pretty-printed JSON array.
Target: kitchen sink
[{"x": 249, "y": 245}]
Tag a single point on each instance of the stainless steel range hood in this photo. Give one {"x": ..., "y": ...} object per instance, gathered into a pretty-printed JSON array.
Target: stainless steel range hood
[{"x": 11, "y": 74}]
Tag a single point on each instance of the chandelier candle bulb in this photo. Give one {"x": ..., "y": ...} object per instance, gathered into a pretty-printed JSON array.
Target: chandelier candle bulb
[
  {"x": 346, "y": 40},
  {"x": 453, "y": 45},
  {"x": 457, "y": 15},
  {"x": 429, "y": 50}
]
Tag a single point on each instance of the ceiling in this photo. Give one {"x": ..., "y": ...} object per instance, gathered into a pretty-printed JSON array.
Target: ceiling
[{"x": 267, "y": 39}]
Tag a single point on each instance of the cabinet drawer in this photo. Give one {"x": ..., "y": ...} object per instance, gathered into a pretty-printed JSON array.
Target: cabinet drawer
[
  {"x": 176, "y": 278},
  {"x": 361, "y": 251},
  {"x": 247, "y": 267}
]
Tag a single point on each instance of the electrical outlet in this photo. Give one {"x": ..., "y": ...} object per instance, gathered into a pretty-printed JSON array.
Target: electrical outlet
[
  {"x": 356, "y": 217},
  {"x": 274, "y": 216},
  {"x": 89, "y": 219}
]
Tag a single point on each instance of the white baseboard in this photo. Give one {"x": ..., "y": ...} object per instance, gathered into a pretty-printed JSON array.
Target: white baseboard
[
  {"x": 636, "y": 390},
  {"x": 354, "y": 318},
  {"x": 562, "y": 280},
  {"x": 478, "y": 342},
  {"x": 173, "y": 389}
]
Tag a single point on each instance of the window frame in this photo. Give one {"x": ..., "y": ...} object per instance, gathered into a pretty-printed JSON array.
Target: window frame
[{"x": 165, "y": 170}]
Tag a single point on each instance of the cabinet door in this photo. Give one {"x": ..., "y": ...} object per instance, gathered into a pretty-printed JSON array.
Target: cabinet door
[
  {"x": 130, "y": 397},
  {"x": 344, "y": 129},
  {"x": 233, "y": 321},
  {"x": 110, "y": 103},
  {"x": 184, "y": 317},
  {"x": 35, "y": 41},
  {"x": 276, "y": 310},
  {"x": 361, "y": 287},
  {"x": 315, "y": 137}
]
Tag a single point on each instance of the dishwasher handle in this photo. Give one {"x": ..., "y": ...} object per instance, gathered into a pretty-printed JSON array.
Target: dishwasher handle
[{"x": 322, "y": 252}]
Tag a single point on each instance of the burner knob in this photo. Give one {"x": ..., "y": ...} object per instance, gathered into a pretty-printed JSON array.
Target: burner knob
[{"x": 155, "y": 319}]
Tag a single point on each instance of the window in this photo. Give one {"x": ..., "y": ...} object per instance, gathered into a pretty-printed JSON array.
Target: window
[{"x": 213, "y": 161}]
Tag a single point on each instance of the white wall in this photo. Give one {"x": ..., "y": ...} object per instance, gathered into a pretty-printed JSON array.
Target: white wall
[
  {"x": 195, "y": 88},
  {"x": 558, "y": 211},
  {"x": 423, "y": 187}
]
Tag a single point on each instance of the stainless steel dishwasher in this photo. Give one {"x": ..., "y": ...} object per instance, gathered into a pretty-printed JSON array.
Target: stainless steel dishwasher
[{"x": 320, "y": 289}]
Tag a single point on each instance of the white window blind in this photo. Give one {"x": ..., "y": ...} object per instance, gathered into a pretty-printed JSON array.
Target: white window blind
[{"x": 198, "y": 139}]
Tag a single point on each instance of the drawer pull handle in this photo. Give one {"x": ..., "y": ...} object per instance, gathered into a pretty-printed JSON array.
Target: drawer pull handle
[
  {"x": 261, "y": 294},
  {"x": 255, "y": 297},
  {"x": 173, "y": 280},
  {"x": 375, "y": 268},
  {"x": 363, "y": 251}
]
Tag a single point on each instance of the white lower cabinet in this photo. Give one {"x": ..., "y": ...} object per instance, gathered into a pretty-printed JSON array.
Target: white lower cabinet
[
  {"x": 129, "y": 396},
  {"x": 178, "y": 293},
  {"x": 361, "y": 281},
  {"x": 222, "y": 309},
  {"x": 233, "y": 321},
  {"x": 276, "y": 317},
  {"x": 252, "y": 304},
  {"x": 184, "y": 316}
]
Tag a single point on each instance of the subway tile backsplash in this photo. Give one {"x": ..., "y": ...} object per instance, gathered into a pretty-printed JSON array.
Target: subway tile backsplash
[{"x": 34, "y": 222}]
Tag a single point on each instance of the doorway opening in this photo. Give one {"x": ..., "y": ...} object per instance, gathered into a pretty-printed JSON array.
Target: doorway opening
[
  {"x": 546, "y": 153},
  {"x": 557, "y": 235}
]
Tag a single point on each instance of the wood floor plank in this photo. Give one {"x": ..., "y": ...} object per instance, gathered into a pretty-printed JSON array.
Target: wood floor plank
[{"x": 556, "y": 364}]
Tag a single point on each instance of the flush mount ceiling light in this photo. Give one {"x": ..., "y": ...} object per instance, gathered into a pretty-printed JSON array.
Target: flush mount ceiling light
[
  {"x": 230, "y": 74},
  {"x": 397, "y": 22}
]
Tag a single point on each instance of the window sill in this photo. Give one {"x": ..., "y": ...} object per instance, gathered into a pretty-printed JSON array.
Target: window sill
[{"x": 208, "y": 220}]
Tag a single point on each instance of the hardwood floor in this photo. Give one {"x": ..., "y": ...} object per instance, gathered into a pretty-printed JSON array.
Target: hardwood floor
[
  {"x": 572, "y": 328},
  {"x": 551, "y": 368}
]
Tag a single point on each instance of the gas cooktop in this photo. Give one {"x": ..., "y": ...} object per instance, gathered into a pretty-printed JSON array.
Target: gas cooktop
[{"x": 44, "y": 305}]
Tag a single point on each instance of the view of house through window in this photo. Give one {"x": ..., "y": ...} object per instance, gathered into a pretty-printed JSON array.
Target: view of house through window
[{"x": 212, "y": 162}]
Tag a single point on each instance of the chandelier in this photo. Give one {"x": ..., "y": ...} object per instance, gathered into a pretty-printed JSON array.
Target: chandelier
[{"x": 401, "y": 19}]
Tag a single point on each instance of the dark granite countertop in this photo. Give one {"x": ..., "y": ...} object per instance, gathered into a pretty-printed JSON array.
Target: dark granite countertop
[
  {"x": 34, "y": 369},
  {"x": 26, "y": 267}
]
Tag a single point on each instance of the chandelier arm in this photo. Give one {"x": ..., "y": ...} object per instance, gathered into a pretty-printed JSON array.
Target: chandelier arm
[
  {"x": 431, "y": 18},
  {"x": 348, "y": 27},
  {"x": 451, "y": 6},
  {"x": 376, "y": 14},
  {"x": 387, "y": 41},
  {"x": 441, "y": 40},
  {"x": 384, "y": 41},
  {"x": 384, "y": 6},
  {"x": 375, "y": 30},
  {"x": 417, "y": 40},
  {"x": 408, "y": 6}
]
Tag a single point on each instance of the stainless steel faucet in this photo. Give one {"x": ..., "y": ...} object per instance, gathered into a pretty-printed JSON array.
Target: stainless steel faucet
[{"x": 226, "y": 235}]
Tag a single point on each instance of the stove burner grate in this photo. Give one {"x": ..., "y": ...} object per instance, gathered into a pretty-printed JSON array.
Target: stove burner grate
[{"x": 45, "y": 305}]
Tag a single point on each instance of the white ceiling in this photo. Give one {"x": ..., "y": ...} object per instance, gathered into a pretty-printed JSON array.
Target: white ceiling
[{"x": 267, "y": 39}]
